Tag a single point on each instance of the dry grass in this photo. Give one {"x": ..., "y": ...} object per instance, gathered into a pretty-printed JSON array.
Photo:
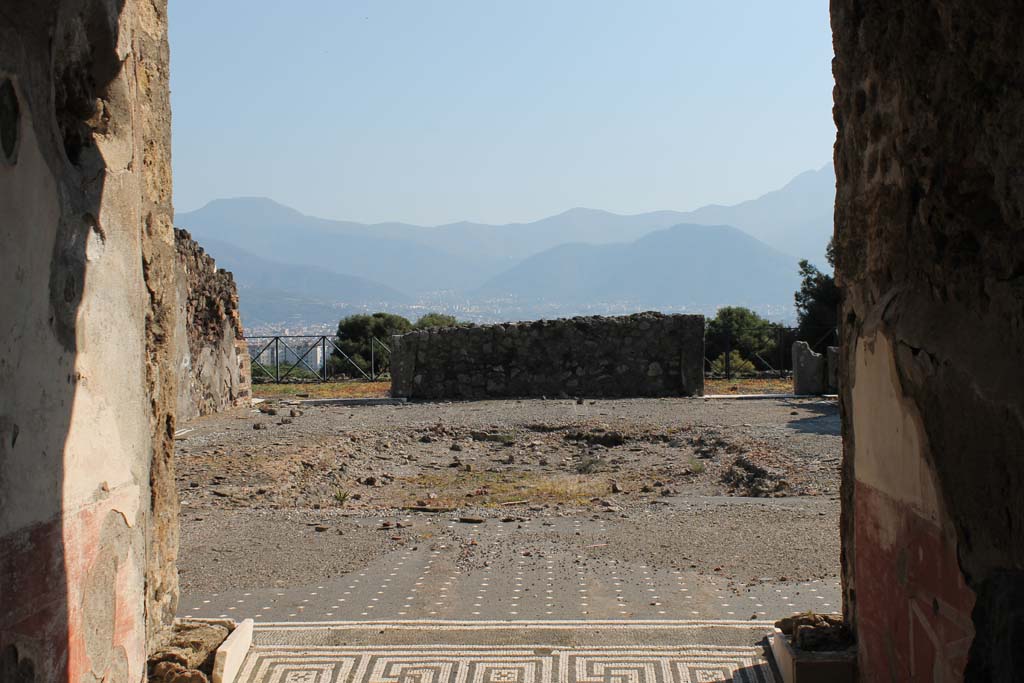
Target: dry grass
[
  {"x": 748, "y": 386},
  {"x": 349, "y": 389},
  {"x": 492, "y": 489},
  {"x": 363, "y": 389}
]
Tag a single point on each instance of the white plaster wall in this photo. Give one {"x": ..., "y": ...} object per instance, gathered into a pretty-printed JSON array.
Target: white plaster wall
[
  {"x": 78, "y": 393},
  {"x": 890, "y": 440},
  {"x": 34, "y": 366}
]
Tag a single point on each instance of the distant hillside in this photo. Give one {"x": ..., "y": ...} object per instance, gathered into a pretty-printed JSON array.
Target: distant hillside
[
  {"x": 271, "y": 292},
  {"x": 515, "y": 241},
  {"x": 693, "y": 265},
  {"x": 585, "y": 256},
  {"x": 270, "y": 230},
  {"x": 451, "y": 256},
  {"x": 796, "y": 219},
  {"x": 253, "y": 271}
]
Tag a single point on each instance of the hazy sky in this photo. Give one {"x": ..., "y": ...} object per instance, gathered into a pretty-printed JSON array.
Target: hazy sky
[{"x": 431, "y": 111}]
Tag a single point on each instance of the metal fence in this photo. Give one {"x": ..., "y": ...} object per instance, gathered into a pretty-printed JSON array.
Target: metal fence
[
  {"x": 311, "y": 358},
  {"x": 318, "y": 358},
  {"x": 773, "y": 359}
]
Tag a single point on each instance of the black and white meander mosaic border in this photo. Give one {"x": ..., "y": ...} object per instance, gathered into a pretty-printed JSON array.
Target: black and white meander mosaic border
[
  {"x": 506, "y": 664},
  {"x": 445, "y": 664}
]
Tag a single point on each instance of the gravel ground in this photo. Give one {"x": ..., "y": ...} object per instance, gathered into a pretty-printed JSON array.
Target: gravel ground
[
  {"x": 252, "y": 549},
  {"x": 744, "y": 490}
]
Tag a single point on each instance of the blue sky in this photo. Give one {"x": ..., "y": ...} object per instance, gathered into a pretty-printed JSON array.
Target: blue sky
[{"x": 430, "y": 111}]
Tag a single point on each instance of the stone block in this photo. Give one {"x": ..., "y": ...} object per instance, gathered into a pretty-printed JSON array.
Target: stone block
[
  {"x": 832, "y": 363},
  {"x": 232, "y": 652},
  {"x": 809, "y": 371},
  {"x": 403, "y": 364}
]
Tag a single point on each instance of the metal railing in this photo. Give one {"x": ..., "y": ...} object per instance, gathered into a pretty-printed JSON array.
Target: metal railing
[
  {"x": 776, "y": 360},
  {"x": 298, "y": 358},
  {"x": 375, "y": 345},
  {"x": 319, "y": 358}
]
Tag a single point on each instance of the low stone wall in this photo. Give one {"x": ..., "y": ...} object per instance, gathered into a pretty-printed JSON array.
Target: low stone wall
[
  {"x": 647, "y": 354},
  {"x": 211, "y": 356}
]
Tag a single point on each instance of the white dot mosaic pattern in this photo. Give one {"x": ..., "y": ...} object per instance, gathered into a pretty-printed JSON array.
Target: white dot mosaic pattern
[{"x": 429, "y": 582}]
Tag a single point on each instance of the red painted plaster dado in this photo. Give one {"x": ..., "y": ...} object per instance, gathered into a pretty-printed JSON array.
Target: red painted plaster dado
[
  {"x": 58, "y": 612},
  {"x": 913, "y": 607}
]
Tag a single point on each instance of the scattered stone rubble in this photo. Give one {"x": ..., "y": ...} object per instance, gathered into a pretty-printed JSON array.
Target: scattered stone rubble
[
  {"x": 304, "y": 462},
  {"x": 189, "y": 655},
  {"x": 746, "y": 478},
  {"x": 814, "y": 632}
]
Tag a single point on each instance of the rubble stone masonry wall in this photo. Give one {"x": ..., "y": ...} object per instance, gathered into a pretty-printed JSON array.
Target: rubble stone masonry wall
[
  {"x": 648, "y": 354},
  {"x": 210, "y": 352}
]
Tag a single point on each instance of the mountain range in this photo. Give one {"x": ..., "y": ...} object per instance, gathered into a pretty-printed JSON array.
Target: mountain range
[
  {"x": 291, "y": 267},
  {"x": 685, "y": 266}
]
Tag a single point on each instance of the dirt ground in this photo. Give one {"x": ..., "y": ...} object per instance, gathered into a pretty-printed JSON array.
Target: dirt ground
[
  {"x": 342, "y": 389},
  {"x": 748, "y": 385},
  {"x": 745, "y": 490},
  {"x": 364, "y": 389}
]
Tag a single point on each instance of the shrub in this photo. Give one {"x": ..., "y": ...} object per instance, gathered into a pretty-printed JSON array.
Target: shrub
[
  {"x": 435, "y": 320},
  {"x": 738, "y": 364}
]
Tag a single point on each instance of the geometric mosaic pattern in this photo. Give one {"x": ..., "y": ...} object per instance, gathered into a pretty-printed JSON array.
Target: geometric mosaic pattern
[
  {"x": 499, "y": 664},
  {"x": 428, "y": 582}
]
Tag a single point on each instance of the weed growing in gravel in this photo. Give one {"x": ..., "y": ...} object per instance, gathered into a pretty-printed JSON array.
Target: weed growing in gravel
[
  {"x": 495, "y": 489},
  {"x": 696, "y": 466},
  {"x": 588, "y": 465},
  {"x": 502, "y": 438},
  {"x": 341, "y": 497}
]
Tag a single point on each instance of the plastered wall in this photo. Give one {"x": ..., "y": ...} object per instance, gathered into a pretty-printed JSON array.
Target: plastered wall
[
  {"x": 88, "y": 514},
  {"x": 930, "y": 246}
]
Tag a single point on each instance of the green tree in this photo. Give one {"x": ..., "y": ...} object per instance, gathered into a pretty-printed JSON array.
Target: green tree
[
  {"x": 435, "y": 320},
  {"x": 817, "y": 303},
  {"x": 355, "y": 337},
  {"x": 739, "y": 329}
]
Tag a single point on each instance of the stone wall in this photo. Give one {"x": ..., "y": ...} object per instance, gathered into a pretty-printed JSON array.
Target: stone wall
[
  {"x": 815, "y": 373},
  {"x": 647, "y": 354},
  {"x": 211, "y": 355},
  {"x": 930, "y": 247},
  {"x": 88, "y": 509}
]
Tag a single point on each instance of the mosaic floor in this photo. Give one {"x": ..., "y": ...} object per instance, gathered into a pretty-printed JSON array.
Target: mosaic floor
[
  {"x": 429, "y": 583},
  {"x": 509, "y": 652}
]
